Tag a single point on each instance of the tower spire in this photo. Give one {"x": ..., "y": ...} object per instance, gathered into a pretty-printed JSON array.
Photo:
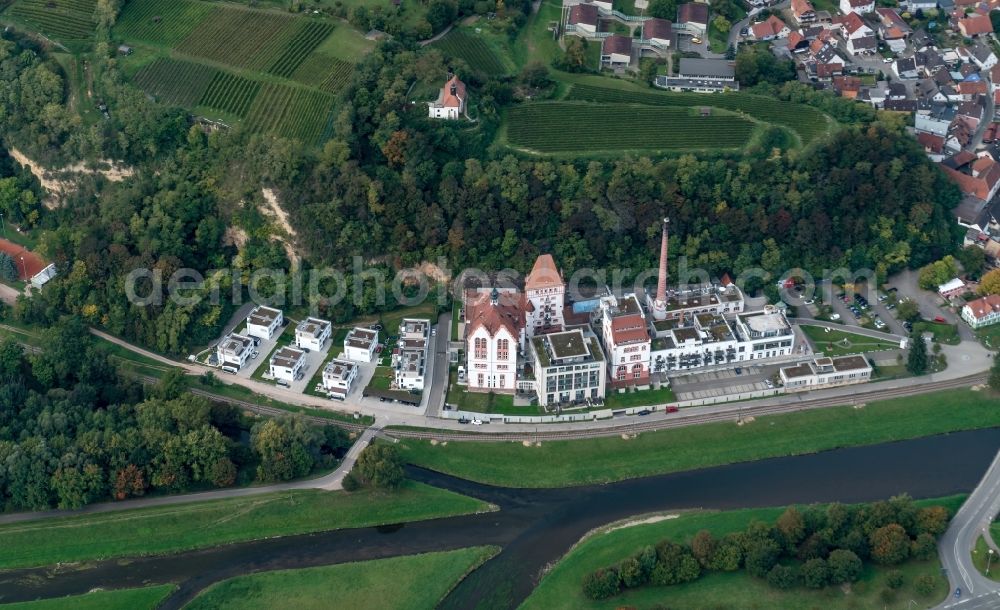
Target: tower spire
[{"x": 660, "y": 303}]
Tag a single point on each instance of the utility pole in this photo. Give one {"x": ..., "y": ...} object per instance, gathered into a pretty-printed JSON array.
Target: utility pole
[
  {"x": 3, "y": 227},
  {"x": 25, "y": 265}
]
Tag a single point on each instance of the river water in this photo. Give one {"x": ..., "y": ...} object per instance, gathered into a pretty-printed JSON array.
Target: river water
[{"x": 536, "y": 527}]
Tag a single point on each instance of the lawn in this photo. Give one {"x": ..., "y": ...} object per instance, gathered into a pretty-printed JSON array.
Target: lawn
[
  {"x": 566, "y": 463},
  {"x": 409, "y": 582},
  {"x": 943, "y": 332},
  {"x": 561, "y": 586},
  {"x": 841, "y": 343},
  {"x": 990, "y": 336},
  {"x": 145, "y": 598},
  {"x": 486, "y": 402},
  {"x": 569, "y": 127},
  {"x": 170, "y": 529},
  {"x": 642, "y": 398},
  {"x": 982, "y": 559},
  {"x": 382, "y": 378}
]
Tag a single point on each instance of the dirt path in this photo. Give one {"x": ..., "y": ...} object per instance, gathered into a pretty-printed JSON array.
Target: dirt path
[{"x": 275, "y": 211}]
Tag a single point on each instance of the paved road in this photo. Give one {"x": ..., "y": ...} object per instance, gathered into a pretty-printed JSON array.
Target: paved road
[
  {"x": 858, "y": 330},
  {"x": 955, "y": 547},
  {"x": 329, "y": 482},
  {"x": 438, "y": 377}
]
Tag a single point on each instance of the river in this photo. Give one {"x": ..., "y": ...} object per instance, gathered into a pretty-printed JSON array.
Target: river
[{"x": 536, "y": 527}]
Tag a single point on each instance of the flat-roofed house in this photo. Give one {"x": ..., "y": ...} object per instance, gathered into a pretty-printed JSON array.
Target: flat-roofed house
[
  {"x": 286, "y": 364},
  {"x": 234, "y": 351},
  {"x": 409, "y": 358},
  {"x": 825, "y": 372},
  {"x": 569, "y": 367},
  {"x": 360, "y": 344},
  {"x": 338, "y": 376},
  {"x": 312, "y": 333},
  {"x": 264, "y": 322}
]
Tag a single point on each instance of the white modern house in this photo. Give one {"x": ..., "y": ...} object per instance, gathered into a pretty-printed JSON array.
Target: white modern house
[
  {"x": 312, "y": 333},
  {"x": 264, "y": 322},
  {"x": 287, "y": 363},
  {"x": 360, "y": 344},
  {"x": 982, "y": 312},
  {"x": 234, "y": 351},
  {"x": 338, "y": 376},
  {"x": 409, "y": 359},
  {"x": 825, "y": 372},
  {"x": 569, "y": 367}
]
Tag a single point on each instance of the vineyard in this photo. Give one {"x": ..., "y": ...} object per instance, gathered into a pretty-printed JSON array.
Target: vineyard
[
  {"x": 165, "y": 22},
  {"x": 231, "y": 93},
  {"x": 254, "y": 40},
  {"x": 327, "y": 73},
  {"x": 172, "y": 81},
  {"x": 302, "y": 44},
  {"x": 806, "y": 121},
  {"x": 558, "y": 127},
  {"x": 292, "y": 112},
  {"x": 474, "y": 51},
  {"x": 65, "y": 20}
]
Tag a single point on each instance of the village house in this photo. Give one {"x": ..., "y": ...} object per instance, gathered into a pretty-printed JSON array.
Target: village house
[
  {"x": 338, "y": 377},
  {"x": 360, "y": 344},
  {"x": 450, "y": 103},
  {"x": 312, "y": 333},
  {"x": 952, "y": 288},
  {"x": 847, "y": 86},
  {"x": 583, "y": 18},
  {"x": 865, "y": 45},
  {"x": 616, "y": 51},
  {"x": 857, "y": 6},
  {"x": 286, "y": 364},
  {"x": 658, "y": 32},
  {"x": 694, "y": 17},
  {"x": 978, "y": 177},
  {"x": 803, "y": 11},
  {"x": 769, "y": 29},
  {"x": 853, "y": 26},
  {"x": 233, "y": 352},
  {"x": 983, "y": 311},
  {"x": 975, "y": 25},
  {"x": 982, "y": 55},
  {"x": 264, "y": 322},
  {"x": 824, "y": 373}
]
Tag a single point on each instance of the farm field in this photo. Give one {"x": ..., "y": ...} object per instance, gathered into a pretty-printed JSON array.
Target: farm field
[
  {"x": 473, "y": 50},
  {"x": 577, "y": 127},
  {"x": 65, "y": 21},
  {"x": 807, "y": 122}
]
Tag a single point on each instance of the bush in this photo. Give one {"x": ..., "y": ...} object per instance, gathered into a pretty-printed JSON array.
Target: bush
[
  {"x": 894, "y": 579},
  {"x": 925, "y": 585},
  {"x": 381, "y": 466},
  {"x": 782, "y": 577},
  {"x": 924, "y": 547},
  {"x": 631, "y": 573},
  {"x": 845, "y": 566},
  {"x": 602, "y": 584},
  {"x": 674, "y": 565},
  {"x": 887, "y": 595},
  {"x": 815, "y": 573},
  {"x": 762, "y": 555},
  {"x": 351, "y": 482}
]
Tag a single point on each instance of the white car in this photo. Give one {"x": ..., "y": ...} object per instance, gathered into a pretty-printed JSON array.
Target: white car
[
  {"x": 888, "y": 60},
  {"x": 810, "y": 301},
  {"x": 477, "y": 422}
]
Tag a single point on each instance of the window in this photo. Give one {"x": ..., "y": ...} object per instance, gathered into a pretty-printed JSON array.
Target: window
[
  {"x": 636, "y": 371},
  {"x": 503, "y": 380},
  {"x": 480, "y": 384},
  {"x": 503, "y": 347},
  {"x": 480, "y": 348}
]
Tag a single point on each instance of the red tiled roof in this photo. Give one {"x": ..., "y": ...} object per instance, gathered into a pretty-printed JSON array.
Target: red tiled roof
[
  {"x": 828, "y": 70},
  {"x": 973, "y": 87},
  {"x": 794, "y": 40},
  {"x": 507, "y": 313},
  {"x": 980, "y": 186},
  {"x": 693, "y": 12},
  {"x": 583, "y": 13},
  {"x": 544, "y": 274},
  {"x": 982, "y": 307},
  {"x": 974, "y": 25},
  {"x": 449, "y": 100},
  {"x": 629, "y": 329},
  {"x": 852, "y": 23},
  {"x": 616, "y": 44},
  {"x": 801, "y": 7},
  {"x": 931, "y": 142},
  {"x": 859, "y": 3},
  {"x": 768, "y": 28},
  {"x": 657, "y": 28}
]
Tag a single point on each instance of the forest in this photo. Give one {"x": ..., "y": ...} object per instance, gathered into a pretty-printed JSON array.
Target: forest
[{"x": 74, "y": 431}]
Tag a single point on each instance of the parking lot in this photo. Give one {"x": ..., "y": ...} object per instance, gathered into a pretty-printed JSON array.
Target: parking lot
[{"x": 694, "y": 386}]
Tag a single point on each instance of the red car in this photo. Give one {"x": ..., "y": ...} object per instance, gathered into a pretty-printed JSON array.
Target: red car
[
  {"x": 672, "y": 409},
  {"x": 939, "y": 320}
]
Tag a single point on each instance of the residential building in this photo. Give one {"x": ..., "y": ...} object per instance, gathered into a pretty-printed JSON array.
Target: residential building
[
  {"x": 494, "y": 333},
  {"x": 803, "y": 11},
  {"x": 569, "y": 367},
  {"x": 952, "y": 288},
  {"x": 450, "y": 103},
  {"x": 659, "y": 32},
  {"x": 853, "y": 26},
  {"x": 857, "y": 6},
  {"x": 234, "y": 351},
  {"x": 769, "y": 29},
  {"x": 583, "y": 18},
  {"x": 264, "y": 322},
  {"x": 287, "y": 363},
  {"x": 338, "y": 376},
  {"x": 975, "y": 25},
  {"x": 978, "y": 177},
  {"x": 626, "y": 341},
  {"x": 360, "y": 344},
  {"x": 409, "y": 358},
  {"x": 864, "y": 45},
  {"x": 312, "y": 333},
  {"x": 847, "y": 86},
  {"x": 825, "y": 372},
  {"x": 983, "y": 56},
  {"x": 983, "y": 311},
  {"x": 763, "y": 334},
  {"x": 616, "y": 51},
  {"x": 694, "y": 16},
  {"x": 545, "y": 297}
]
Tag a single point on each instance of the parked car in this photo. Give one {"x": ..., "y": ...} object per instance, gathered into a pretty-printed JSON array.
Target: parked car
[
  {"x": 644, "y": 412},
  {"x": 254, "y": 354},
  {"x": 810, "y": 301},
  {"x": 739, "y": 371},
  {"x": 477, "y": 422},
  {"x": 939, "y": 319},
  {"x": 672, "y": 409},
  {"x": 835, "y": 316},
  {"x": 463, "y": 420}
]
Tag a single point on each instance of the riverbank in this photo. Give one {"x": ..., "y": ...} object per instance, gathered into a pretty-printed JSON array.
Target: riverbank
[
  {"x": 411, "y": 582},
  {"x": 146, "y": 598},
  {"x": 170, "y": 529},
  {"x": 561, "y": 587},
  {"x": 602, "y": 460}
]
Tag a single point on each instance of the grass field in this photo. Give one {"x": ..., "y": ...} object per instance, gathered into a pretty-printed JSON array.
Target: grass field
[
  {"x": 659, "y": 396},
  {"x": 402, "y": 583},
  {"x": 167, "y": 529},
  {"x": 565, "y": 127},
  {"x": 561, "y": 586},
  {"x": 807, "y": 122},
  {"x": 983, "y": 560},
  {"x": 943, "y": 332},
  {"x": 840, "y": 343},
  {"x": 145, "y": 598},
  {"x": 473, "y": 50},
  {"x": 65, "y": 20},
  {"x": 565, "y": 463}
]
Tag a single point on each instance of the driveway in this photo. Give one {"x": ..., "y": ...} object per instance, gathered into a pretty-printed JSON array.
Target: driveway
[
  {"x": 437, "y": 376},
  {"x": 929, "y": 303}
]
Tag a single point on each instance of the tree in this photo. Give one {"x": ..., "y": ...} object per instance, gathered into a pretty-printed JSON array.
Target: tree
[
  {"x": 792, "y": 527},
  {"x": 924, "y": 546},
  {"x": 990, "y": 282},
  {"x": 845, "y": 566},
  {"x": 631, "y": 572},
  {"x": 937, "y": 273},
  {"x": 721, "y": 24},
  {"x": 925, "y": 585},
  {"x": 782, "y": 577},
  {"x": 815, "y": 573},
  {"x": 129, "y": 482},
  {"x": 602, "y": 584},
  {"x": 8, "y": 268},
  {"x": 894, "y": 579},
  {"x": 703, "y": 547},
  {"x": 664, "y": 9},
  {"x": 381, "y": 466},
  {"x": 916, "y": 362},
  {"x": 890, "y": 544},
  {"x": 728, "y": 557},
  {"x": 282, "y": 455},
  {"x": 535, "y": 75},
  {"x": 761, "y": 556},
  {"x": 674, "y": 565},
  {"x": 908, "y": 311},
  {"x": 932, "y": 520},
  {"x": 574, "y": 56},
  {"x": 972, "y": 259}
]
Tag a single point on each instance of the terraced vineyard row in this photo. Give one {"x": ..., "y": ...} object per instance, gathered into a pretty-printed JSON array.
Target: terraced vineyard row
[
  {"x": 65, "y": 20},
  {"x": 808, "y": 122},
  {"x": 245, "y": 39},
  {"x": 310, "y": 36},
  {"x": 556, "y": 127},
  {"x": 165, "y": 22},
  {"x": 292, "y": 112},
  {"x": 327, "y": 73},
  {"x": 231, "y": 93},
  {"x": 176, "y": 82},
  {"x": 474, "y": 51}
]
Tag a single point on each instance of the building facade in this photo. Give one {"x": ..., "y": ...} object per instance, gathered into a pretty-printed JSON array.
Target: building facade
[
  {"x": 545, "y": 297},
  {"x": 338, "y": 376},
  {"x": 409, "y": 358},
  {"x": 450, "y": 103},
  {"x": 494, "y": 334},
  {"x": 569, "y": 367},
  {"x": 234, "y": 351},
  {"x": 626, "y": 341},
  {"x": 264, "y": 322},
  {"x": 982, "y": 312},
  {"x": 312, "y": 333},
  {"x": 825, "y": 372},
  {"x": 287, "y": 363},
  {"x": 360, "y": 344}
]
